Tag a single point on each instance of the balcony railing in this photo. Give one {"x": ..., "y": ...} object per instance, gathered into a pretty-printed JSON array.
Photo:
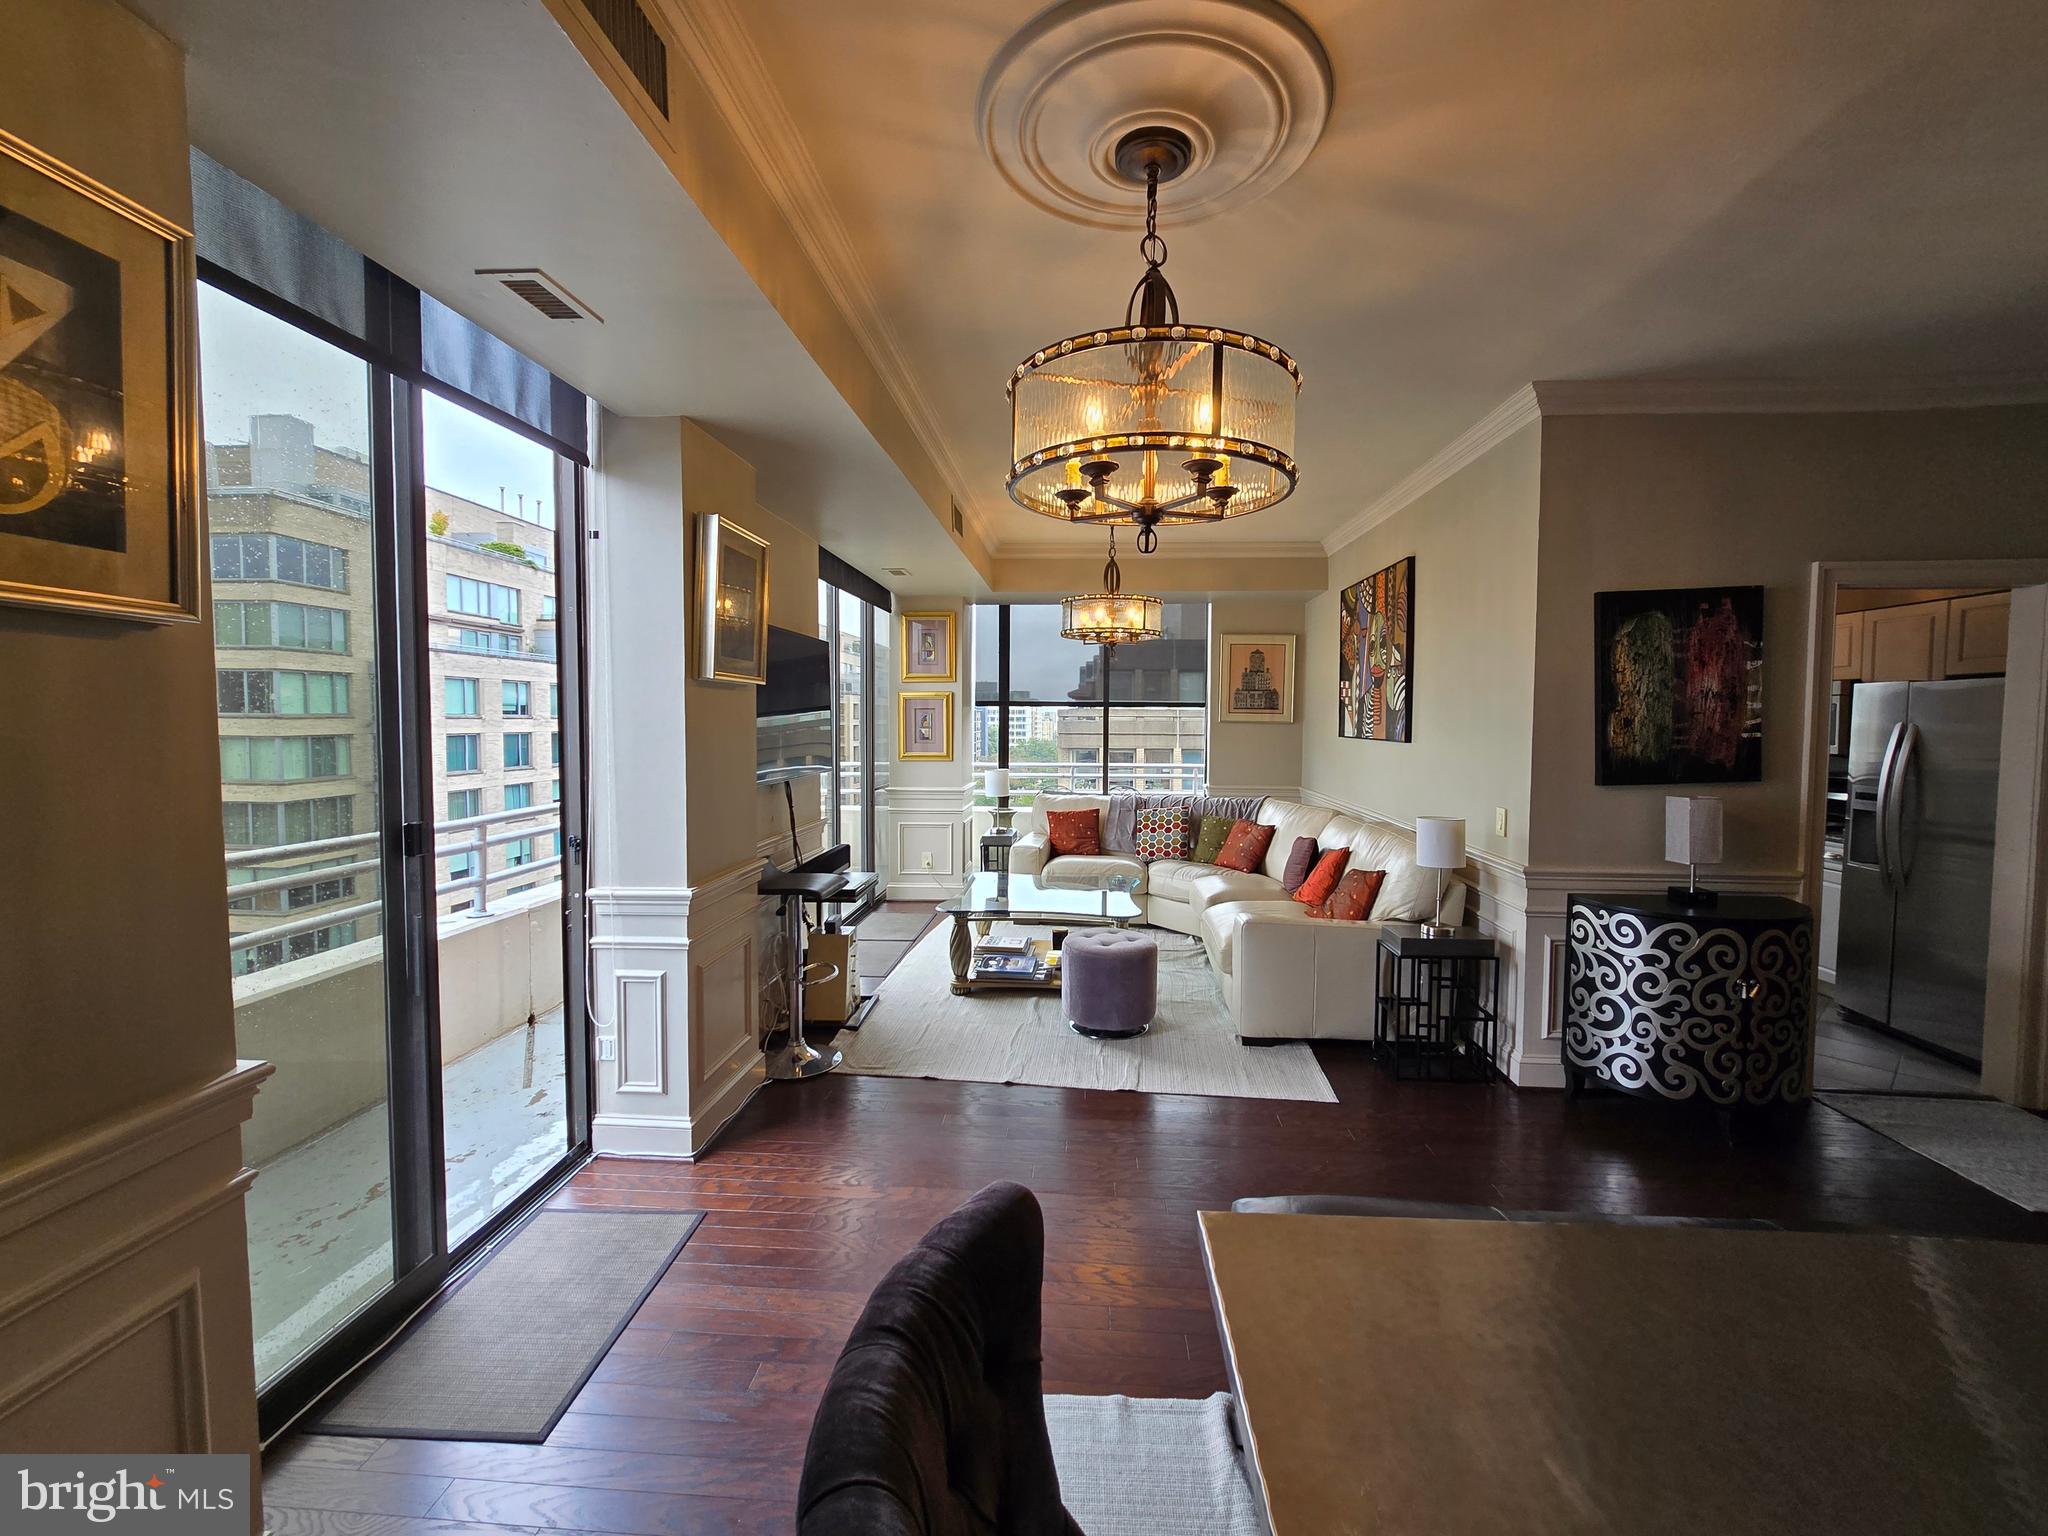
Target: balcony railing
[
  {"x": 468, "y": 835},
  {"x": 1030, "y": 780}
]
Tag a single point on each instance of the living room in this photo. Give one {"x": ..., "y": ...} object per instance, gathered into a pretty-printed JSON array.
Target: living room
[{"x": 867, "y": 883}]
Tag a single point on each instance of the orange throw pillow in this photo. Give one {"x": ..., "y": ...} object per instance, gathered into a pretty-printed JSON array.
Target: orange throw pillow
[
  {"x": 1352, "y": 901},
  {"x": 1322, "y": 880},
  {"x": 1074, "y": 831},
  {"x": 1245, "y": 847}
]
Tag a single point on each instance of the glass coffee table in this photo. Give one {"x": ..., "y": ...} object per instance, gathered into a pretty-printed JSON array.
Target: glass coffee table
[{"x": 996, "y": 896}]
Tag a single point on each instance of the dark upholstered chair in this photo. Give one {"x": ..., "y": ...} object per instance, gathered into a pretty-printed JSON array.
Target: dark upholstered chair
[{"x": 933, "y": 1423}]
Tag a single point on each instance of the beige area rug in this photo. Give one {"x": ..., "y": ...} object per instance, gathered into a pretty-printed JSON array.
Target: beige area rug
[
  {"x": 1139, "y": 1466},
  {"x": 918, "y": 1028},
  {"x": 1999, "y": 1146}
]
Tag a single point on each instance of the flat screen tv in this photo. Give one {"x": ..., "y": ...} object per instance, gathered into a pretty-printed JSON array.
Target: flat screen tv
[{"x": 799, "y": 676}]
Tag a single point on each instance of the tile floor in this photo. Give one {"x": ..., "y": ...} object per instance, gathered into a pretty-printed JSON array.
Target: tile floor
[{"x": 1851, "y": 1057}]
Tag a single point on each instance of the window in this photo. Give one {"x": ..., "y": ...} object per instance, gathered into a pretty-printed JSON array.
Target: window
[
  {"x": 555, "y": 700},
  {"x": 465, "y": 753},
  {"x": 244, "y": 692},
  {"x": 518, "y": 749},
  {"x": 484, "y": 599},
  {"x": 556, "y": 793},
  {"x": 279, "y": 557},
  {"x": 287, "y": 626},
  {"x": 555, "y": 749},
  {"x": 1063, "y": 716},
  {"x": 547, "y": 605},
  {"x": 282, "y": 759},
  {"x": 518, "y": 796},
  {"x": 298, "y": 947},
  {"x": 518, "y": 700},
  {"x": 459, "y": 697},
  {"x": 264, "y": 824},
  {"x": 519, "y": 853},
  {"x": 464, "y": 803},
  {"x": 497, "y": 642}
]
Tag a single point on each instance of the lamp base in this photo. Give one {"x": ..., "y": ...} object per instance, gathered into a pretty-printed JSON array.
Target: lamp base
[
  {"x": 1689, "y": 896},
  {"x": 1438, "y": 930}
]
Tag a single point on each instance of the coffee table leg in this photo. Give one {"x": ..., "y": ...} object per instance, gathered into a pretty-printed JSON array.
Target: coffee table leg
[{"x": 960, "y": 948}]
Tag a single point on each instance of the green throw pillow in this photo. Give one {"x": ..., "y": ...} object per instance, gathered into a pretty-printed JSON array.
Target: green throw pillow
[{"x": 1214, "y": 830}]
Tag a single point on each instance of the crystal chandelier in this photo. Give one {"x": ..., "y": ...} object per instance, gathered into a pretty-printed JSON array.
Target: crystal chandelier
[
  {"x": 1155, "y": 420},
  {"x": 1111, "y": 616}
]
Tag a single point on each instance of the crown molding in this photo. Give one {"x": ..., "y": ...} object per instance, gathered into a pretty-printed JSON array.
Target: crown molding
[
  {"x": 1492, "y": 429},
  {"x": 1783, "y": 397},
  {"x": 715, "y": 40}
]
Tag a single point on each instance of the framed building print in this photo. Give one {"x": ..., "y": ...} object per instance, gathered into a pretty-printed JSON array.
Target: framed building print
[
  {"x": 1258, "y": 679},
  {"x": 927, "y": 649},
  {"x": 99, "y": 467},
  {"x": 1375, "y": 654},
  {"x": 924, "y": 726},
  {"x": 1678, "y": 686},
  {"x": 732, "y": 602}
]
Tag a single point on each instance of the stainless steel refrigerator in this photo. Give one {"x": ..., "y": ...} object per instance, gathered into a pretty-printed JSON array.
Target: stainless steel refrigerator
[{"x": 1916, "y": 879}]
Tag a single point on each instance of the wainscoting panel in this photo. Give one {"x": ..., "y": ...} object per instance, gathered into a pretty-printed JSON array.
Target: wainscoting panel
[
  {"x": 640, "y": 1007},
  {"x": 928, "y": 821}
]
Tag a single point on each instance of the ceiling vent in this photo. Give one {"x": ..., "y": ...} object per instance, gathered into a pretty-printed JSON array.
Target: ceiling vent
[
  {"x": 959, "y": 522},
  {"x": 542, "y": 292},
  {"x": 894, "y": 570},
  {"x": 638, "y": 43}
]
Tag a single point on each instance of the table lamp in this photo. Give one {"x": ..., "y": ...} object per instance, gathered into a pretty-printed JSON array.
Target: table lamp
[
  {"x": 1692, "y": 837},
  {"x": 1439, "y": 845},
  {"x": 996, "y": 781}
]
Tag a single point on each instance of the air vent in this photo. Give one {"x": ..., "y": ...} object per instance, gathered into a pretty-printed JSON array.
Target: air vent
[
  {"x": 959, "y": 522},
  {"x": 640, "y": 47},
  {"x": 542, "y": 292},
  {"x": 894, "y": 570}
]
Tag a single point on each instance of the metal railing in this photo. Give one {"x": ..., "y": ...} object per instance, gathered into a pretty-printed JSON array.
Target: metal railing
[
  {"x": 476, "y": 846},
  {"x": 1029, "y": 780}
]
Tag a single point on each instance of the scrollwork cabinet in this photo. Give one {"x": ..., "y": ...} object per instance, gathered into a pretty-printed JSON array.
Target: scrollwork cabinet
[{"x": 1680, "y": 1002}]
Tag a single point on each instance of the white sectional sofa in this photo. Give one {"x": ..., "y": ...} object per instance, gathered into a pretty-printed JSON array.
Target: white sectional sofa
[{"x": 1285, "y": 975}]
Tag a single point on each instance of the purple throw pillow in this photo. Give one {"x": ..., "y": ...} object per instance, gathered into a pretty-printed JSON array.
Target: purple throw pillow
[{"x": 1300, "y": 860}]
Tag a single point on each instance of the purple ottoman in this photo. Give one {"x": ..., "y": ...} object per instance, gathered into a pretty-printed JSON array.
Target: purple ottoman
[{"x": 1109, "y": 982}]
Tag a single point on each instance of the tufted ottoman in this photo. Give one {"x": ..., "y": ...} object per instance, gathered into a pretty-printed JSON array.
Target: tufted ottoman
[{"x": 1109, "y": 982}]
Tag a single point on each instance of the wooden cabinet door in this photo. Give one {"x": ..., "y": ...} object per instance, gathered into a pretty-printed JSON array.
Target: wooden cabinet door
[
  {"x": 1848, "y": 648},
  {"x": 1908, "y": 644},
  {"x": 1976, "y": 634}
]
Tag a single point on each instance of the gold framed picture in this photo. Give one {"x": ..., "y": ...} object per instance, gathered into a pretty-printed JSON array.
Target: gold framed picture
[
  {"x": 928, "y": 652},
  {"x": 1257, "y": 679},
  {"x": 924, "y": 726},
  {"x": 732, "y": 602},
  {"x": 99, "y": 420}
]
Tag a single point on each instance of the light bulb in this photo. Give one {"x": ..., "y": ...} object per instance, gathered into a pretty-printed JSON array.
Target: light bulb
[
  {"x": 1222, "y": 475},
  {"x": 1073, "y": 471},
  {"x": 1092, "y": 413}
]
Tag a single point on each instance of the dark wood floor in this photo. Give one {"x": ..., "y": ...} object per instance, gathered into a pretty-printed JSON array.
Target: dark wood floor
[{"x": 696, "y": 1420}]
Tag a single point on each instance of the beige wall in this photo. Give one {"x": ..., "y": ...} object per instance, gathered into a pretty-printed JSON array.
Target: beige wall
[
  {"x": 1474, "y": 542},
  {"x": 1678, "y": 501},
  {"x": 1244, "y": 756}
]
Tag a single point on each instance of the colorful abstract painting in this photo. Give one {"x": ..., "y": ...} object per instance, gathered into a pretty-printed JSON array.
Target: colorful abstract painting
[
  {"x": 1678, "y": 691},
  {"x": 1375, "y": 654}
]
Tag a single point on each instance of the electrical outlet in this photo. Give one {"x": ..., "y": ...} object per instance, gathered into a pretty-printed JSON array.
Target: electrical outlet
[
  {"x": 1500, "y": 821},
  {"x": 607, "y": 1048},
  {"x": 927, "y": 861}
]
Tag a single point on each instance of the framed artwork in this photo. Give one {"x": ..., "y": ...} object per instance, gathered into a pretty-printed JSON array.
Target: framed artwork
[
  {"x": 924, "y": 726},
  {"x": 1258, "y": 678},
  {"x": 732, "y": 602},
  {"x": 1678, "y": 686},
  {"x": 99, "y": 422},
  {"x": 928, "y": 654},
  {"x": 1376, "y": 654}
]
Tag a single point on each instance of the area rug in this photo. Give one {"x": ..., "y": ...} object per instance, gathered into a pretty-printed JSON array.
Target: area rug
[
  {"x": 918, "y": 1028},
  {"x": 1137, "y": 1466},
  {"x": 502, "y": 1355},
  {"x": 2001, "y": 1147}
]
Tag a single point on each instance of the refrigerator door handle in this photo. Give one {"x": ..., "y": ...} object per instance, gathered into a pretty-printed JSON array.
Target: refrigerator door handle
[
  {"x": 1884, "y": 802},
  {"x": 1894, "y": 811}
]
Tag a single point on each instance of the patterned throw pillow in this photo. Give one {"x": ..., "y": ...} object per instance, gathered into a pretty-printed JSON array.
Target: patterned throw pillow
[
  {"x": 1352, "y": 901},
  {"x": 1161, "y": 833},
  {"x": 1209, "y": 842},
  {"x": 1245, "y": 847},
  {"x": 1322, "y": 880},
  {"x": 1301, "y": 858},
  {"x": 1074, "y": 831}
]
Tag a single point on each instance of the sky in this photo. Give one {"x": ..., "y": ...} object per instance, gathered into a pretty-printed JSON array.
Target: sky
[{"x": 253, "y": 364}]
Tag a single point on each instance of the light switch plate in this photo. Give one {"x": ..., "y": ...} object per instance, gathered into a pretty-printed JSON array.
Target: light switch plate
[{"x": 1500, "y": 821}]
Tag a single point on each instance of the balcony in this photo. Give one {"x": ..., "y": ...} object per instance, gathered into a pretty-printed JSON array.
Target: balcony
[{"x": 319, "y": 1213}]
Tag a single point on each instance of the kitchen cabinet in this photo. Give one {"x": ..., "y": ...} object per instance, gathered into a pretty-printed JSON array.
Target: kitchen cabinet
[
  {"x": 1908, "y": 644},
  {"x": 1976, "y": 634},
  {"x": 1848, "y": 648}
]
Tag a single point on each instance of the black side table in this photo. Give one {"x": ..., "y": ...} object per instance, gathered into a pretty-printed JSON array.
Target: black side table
[
  {"x": 995, "y": 848},
  {"x": 1439, "y": 1004}
]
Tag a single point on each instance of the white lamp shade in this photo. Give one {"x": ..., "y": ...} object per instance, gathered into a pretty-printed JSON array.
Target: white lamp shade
[
  {"x": 1692, "y": 829},
  {"x": 997, "y": 782},
  {"x": 1440, "y": 842}
]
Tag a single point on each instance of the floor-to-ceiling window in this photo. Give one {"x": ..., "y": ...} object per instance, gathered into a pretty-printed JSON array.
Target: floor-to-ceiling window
[
  {"x": 854, "y": 616},
  {"x": 1063, "y": 716}
]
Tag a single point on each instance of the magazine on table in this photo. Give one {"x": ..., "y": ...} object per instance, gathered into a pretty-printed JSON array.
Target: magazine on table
[
  {"x": 1004, "y": 944},
  {"x": 1006, "y": 966}
]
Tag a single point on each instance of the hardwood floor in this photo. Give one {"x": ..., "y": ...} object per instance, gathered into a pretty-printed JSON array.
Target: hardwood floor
[{"x": 697, "y": 1418}]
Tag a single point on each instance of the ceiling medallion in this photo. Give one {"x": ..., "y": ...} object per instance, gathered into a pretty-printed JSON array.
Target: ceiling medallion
[
  {"x": 1111, "y": 616},
  {"x": 1155, "y": 420}
]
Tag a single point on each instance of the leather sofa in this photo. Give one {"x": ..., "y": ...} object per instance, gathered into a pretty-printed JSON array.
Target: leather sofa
[{"x": 1285, "y": 975}]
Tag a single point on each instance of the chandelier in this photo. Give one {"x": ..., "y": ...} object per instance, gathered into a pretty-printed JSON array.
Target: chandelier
[
  {"x": 1155, "y": 420},
  {"x": 1111, "y": 616}
]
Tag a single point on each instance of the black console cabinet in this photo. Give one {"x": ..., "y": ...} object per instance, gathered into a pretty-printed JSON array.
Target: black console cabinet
[{"x": 1681, "y": 1002}]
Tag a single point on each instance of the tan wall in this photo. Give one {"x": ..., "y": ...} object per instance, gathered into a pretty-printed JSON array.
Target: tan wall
[
  {"x": 1244, "y": 755},
  {"x": 114, "y": 967},
  {"x": 1678, "y": 501},
  {"x": 1474, "y": 542}
]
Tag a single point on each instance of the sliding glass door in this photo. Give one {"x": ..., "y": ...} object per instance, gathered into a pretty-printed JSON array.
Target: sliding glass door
[{"x": 858, "y": 632}]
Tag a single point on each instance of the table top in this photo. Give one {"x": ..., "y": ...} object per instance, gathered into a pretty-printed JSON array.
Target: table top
[
  {"x": 994, "y": 894},
  {"x": 1407, "y": 939},
  {"x": 1726, "y": 908},
  {"x": 1404, "y": 1376}
]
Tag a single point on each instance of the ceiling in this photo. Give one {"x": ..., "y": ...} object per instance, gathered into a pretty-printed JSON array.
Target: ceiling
[
  {"x": 445, "y": 137},
  {"x": 1758, "y": 189}
]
